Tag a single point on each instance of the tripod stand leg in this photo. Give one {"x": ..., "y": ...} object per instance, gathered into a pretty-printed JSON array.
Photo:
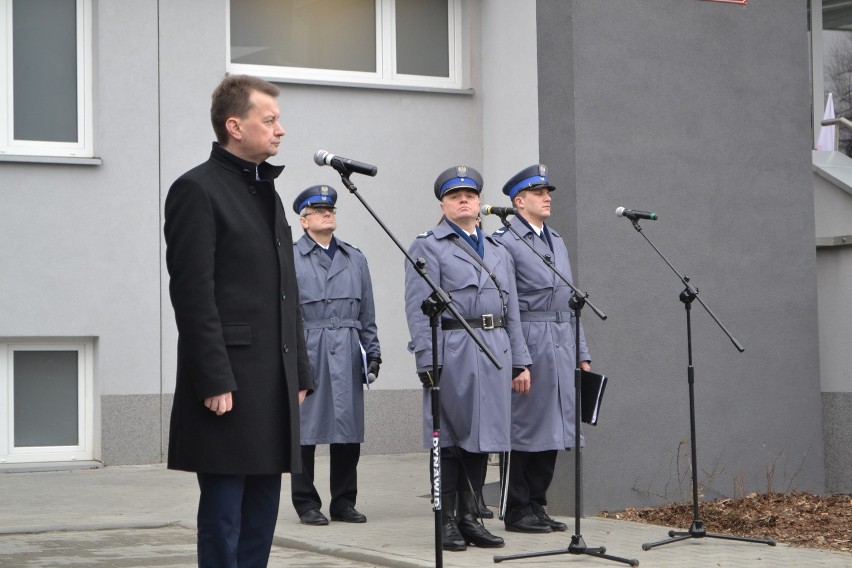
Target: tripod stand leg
[
  {"x": 577, "y": 546},
  {"x": 650, "y": 545},
  {"x": 767, "y": 541}
]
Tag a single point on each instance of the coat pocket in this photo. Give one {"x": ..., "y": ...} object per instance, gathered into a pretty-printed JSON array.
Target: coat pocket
[{"x": 236, "y": 333}]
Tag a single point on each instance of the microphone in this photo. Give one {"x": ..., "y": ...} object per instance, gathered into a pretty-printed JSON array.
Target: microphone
[
  {"x": 344, "y": 165},
  {"x": 633, "y": 215},
  {"x": 499, "y": 211}
]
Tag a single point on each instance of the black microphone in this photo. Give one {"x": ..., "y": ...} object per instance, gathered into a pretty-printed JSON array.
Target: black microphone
[
  {"x": 500, "y": 211},
  {"x": 344, "y": 165},
  {"x": 634, "y": 215}
]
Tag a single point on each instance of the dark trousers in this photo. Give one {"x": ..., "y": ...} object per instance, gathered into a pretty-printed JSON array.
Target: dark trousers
[
  {"x": 459, "y": 465},
  {"x": 343, "y": 482},
  {"x": 236, "y": 519},
  {"x": 530, "y": 474}
]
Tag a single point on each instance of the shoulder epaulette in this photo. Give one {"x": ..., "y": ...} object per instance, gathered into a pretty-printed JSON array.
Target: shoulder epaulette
[{"x": 344, "y": 243}]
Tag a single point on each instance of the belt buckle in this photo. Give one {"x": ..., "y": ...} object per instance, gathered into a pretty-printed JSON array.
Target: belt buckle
[
  {"x": 335, "y": 322},
  {"x": 487, "y": 321},
  {"x": 558, "y": 317}
]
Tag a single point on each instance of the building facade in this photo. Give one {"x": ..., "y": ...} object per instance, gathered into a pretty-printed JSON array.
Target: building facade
[{"x": 697, "y": 110}]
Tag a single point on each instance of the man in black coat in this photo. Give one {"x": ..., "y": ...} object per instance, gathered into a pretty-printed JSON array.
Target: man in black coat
[{"x": 242, "y": 367}]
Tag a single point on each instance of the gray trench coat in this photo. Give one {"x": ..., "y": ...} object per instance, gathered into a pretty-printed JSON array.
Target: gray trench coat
[
  {"x": 543, "y": 419},
  {"x": 475, "y": 396},
  {"x": 338, "y": 312}
]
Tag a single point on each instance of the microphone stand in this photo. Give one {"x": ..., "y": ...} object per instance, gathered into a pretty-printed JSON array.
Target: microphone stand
[
  {"x": 696, "y": 529},
  {"x": 578, "y": 300},
  {"x": 433, "y": 306}
]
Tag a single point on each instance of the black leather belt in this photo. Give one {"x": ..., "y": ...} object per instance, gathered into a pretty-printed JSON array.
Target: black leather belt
[{"x": 485, "y": 321}]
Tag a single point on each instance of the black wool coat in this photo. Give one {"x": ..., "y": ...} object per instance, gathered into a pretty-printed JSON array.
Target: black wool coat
[{"x": 229, "y": 252}]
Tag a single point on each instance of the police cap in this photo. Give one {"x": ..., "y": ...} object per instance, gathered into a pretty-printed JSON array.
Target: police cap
[
  {"x": 533, "y": 177},
  {"x": 458, "y": 177},
  {"x": 315, "y": 196}
]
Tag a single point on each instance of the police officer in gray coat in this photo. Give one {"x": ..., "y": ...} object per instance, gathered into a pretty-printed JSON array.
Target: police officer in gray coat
[
  {"x": 475, "y": 396},
  {"x": 339, "y": 315},
  {"x": 543, "y": 420}
]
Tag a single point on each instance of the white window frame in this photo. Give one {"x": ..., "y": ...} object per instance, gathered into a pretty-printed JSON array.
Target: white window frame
[
  {"x": 83, "y": 147},
  {"x": 385, "y": 75},
  {"x": 84, "y": 450}
]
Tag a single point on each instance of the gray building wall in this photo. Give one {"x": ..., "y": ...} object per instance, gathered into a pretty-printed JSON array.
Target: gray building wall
[
  {"x": 833, "y": 218},
  {"x": 81, "y": 243},
  {"x": 698, "y": 111}
]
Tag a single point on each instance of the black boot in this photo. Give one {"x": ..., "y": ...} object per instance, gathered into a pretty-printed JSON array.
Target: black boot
[
  {"x": 484, "y": 511},
  {"x": 473, "y": 532},
  {"x": 450, "y": 536}
]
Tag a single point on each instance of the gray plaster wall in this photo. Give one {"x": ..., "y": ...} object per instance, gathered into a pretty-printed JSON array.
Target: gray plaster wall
[
  {"x": 81, "y": 243},
  {"x": 833, "y": 207},
  {"x": 698, "y": 111}
]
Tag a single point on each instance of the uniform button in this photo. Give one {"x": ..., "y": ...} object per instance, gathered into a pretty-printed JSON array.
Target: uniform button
[
  {"x": 328, "y": 301},
  {"x": 278, "y": 242},
  {"x": 332, "y": 351},
  {"x": 283, "y": 296},
  {"x": 252, "y": 190},
  {"x": 285, "y": 349}
]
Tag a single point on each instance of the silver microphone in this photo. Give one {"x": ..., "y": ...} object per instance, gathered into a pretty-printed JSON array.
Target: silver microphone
[
  {"x": 633, "y": 214},
  {"x": 499, "y": 211}
]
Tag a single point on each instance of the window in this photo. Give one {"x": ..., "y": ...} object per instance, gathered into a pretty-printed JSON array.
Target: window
[
  {"x": 45, "y": 78},
  {"x": 395, "y": 43},
  {"x": 45, "y": 401}
]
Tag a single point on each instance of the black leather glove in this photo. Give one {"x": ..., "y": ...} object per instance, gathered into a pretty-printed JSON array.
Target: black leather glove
[
  {"x": 427, "y": 378},
  {"x": 373, "y": 367},
  {"x": 517, "y": 371}
]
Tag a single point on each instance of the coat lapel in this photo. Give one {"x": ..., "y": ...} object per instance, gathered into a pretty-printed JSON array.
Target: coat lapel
[{"x": 338, "y": 264}]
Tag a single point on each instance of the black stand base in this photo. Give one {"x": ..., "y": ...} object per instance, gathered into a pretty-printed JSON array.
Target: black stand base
[
  {"x": 696, "y": 530},
  {"x": 577, "y": 546}
]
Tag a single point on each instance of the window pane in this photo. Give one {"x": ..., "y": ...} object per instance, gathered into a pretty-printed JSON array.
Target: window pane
[
  {"x": 422, "y": 41},
  {"x": 316, "y": 34},
  {"x": 46, "y": 404},
  {"x": 44, "y": 56}
]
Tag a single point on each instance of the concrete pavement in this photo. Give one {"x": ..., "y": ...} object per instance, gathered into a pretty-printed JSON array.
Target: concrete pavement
[{"x": 141, "y": 516}]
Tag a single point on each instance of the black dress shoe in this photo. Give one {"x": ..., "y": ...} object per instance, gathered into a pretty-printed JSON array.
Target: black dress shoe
[
  {"x": 528, "y": 524},
  {"x": 349, "y": 515},
  {"x": 545, "y": 519},
  {"x": 313, "y": 517},
  {"x": 476, "y": 534},
  {"x": 451, "y": 538}
]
